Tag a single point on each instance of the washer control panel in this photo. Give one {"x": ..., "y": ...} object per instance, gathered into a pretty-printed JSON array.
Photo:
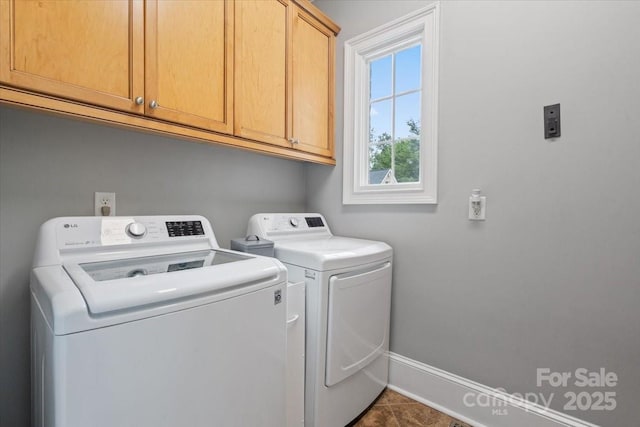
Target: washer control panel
[
  {"x": 184, "y": 228},
  {"x": 81, "y": 232}
]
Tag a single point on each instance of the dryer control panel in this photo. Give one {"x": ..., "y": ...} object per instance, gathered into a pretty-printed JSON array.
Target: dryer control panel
[{"x": 274, "y": 225}]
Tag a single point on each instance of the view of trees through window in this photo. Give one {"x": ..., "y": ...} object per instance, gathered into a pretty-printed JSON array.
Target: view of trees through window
[
  {"x": 406, "y": 155},
  {"x": 394, "y": 101}
]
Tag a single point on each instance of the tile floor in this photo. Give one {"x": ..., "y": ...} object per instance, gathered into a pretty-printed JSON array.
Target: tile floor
[{"x": 395, "y": 410}]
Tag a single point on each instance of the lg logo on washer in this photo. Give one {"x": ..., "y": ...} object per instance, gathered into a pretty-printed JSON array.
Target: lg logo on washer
[{"x": 72, "y": 235}]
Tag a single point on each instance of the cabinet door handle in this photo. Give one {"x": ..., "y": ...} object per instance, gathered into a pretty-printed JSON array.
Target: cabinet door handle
[
  {"x": 294, "y": 141},
  {"x": 153, "y": 104},
  {"x": 139, "y": 100}
]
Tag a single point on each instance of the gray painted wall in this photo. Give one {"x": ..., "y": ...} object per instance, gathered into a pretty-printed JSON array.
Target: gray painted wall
[
  {"x": 552, "y": 278},
  {"x": 51, "y": 166}
]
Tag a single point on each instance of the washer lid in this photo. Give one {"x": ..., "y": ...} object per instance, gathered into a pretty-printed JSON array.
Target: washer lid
[
  {"x": 330, "y": 253},
  {"x": 133, "y": 282}
]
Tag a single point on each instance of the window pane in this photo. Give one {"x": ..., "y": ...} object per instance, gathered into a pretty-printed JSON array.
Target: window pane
[
  {"x": 380, "y": 78},
  {"x": 379, "y": 141},
  {"x": 407, "y": 141},
  {"x": 380, "y": 121},
  {"x": 380, "y": 163},
  {"x": 408, "y": 66},
  {"x": 408, "y": 115}
]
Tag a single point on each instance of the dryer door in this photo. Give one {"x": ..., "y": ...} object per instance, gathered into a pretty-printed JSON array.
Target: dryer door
[{"x": 358, "y": 322}]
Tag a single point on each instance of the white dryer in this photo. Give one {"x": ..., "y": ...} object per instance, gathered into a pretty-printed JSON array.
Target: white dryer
[
  {"x": 348, "y": 296},
  {"x": 146, "y": 322}
]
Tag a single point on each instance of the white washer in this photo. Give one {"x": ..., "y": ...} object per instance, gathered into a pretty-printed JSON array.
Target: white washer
[
  {"x": 348, "y": 287},
  {"x": 145, "y": 322}
]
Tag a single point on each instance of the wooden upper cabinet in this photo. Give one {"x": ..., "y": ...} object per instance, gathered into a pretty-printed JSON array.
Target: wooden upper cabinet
[
  {"x": 257, "y": 74},
  {"x": 284, "y": 73},
  {"x": 188, "y": 62},
  {"x": 113, "y": 53},
  {"x": 262, "y": 89},
  {"x": 89, "y": 51},
  {"x": 313, "y": 84}
]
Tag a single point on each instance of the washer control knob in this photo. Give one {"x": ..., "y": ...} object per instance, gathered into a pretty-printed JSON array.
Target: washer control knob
[
  {"x": 136, "y": 230},
  {"x": 294, "y": 222}
]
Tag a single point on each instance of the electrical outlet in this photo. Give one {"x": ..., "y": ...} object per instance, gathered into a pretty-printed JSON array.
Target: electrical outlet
[
  {"x": 105, "y": 204},
  {"x": 477, "y": 212},
  {"x": 477, "y": 207}
]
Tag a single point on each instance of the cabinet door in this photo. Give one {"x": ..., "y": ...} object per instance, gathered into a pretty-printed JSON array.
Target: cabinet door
[
  {"x": 262, "y": 70},
  {"x": 85, "y": 50},
  {"x": 188, "y": 59},
  {"x": 313, "y": 85}
]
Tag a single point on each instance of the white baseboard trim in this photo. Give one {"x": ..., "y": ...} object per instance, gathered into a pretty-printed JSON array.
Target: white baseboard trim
[{"x": 446, "y": 392}]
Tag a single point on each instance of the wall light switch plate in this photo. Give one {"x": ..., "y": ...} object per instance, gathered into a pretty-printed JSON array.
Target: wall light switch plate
[
  {"x": 552, "y": 121},
  {"x": 104, "y": 204}
]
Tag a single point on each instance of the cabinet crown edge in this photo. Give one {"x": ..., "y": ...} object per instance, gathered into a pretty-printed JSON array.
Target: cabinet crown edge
[{"x": 313, "y": 10}]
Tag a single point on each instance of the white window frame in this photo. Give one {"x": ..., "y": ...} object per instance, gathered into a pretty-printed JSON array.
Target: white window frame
[{"x": 423, "y": 26}]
